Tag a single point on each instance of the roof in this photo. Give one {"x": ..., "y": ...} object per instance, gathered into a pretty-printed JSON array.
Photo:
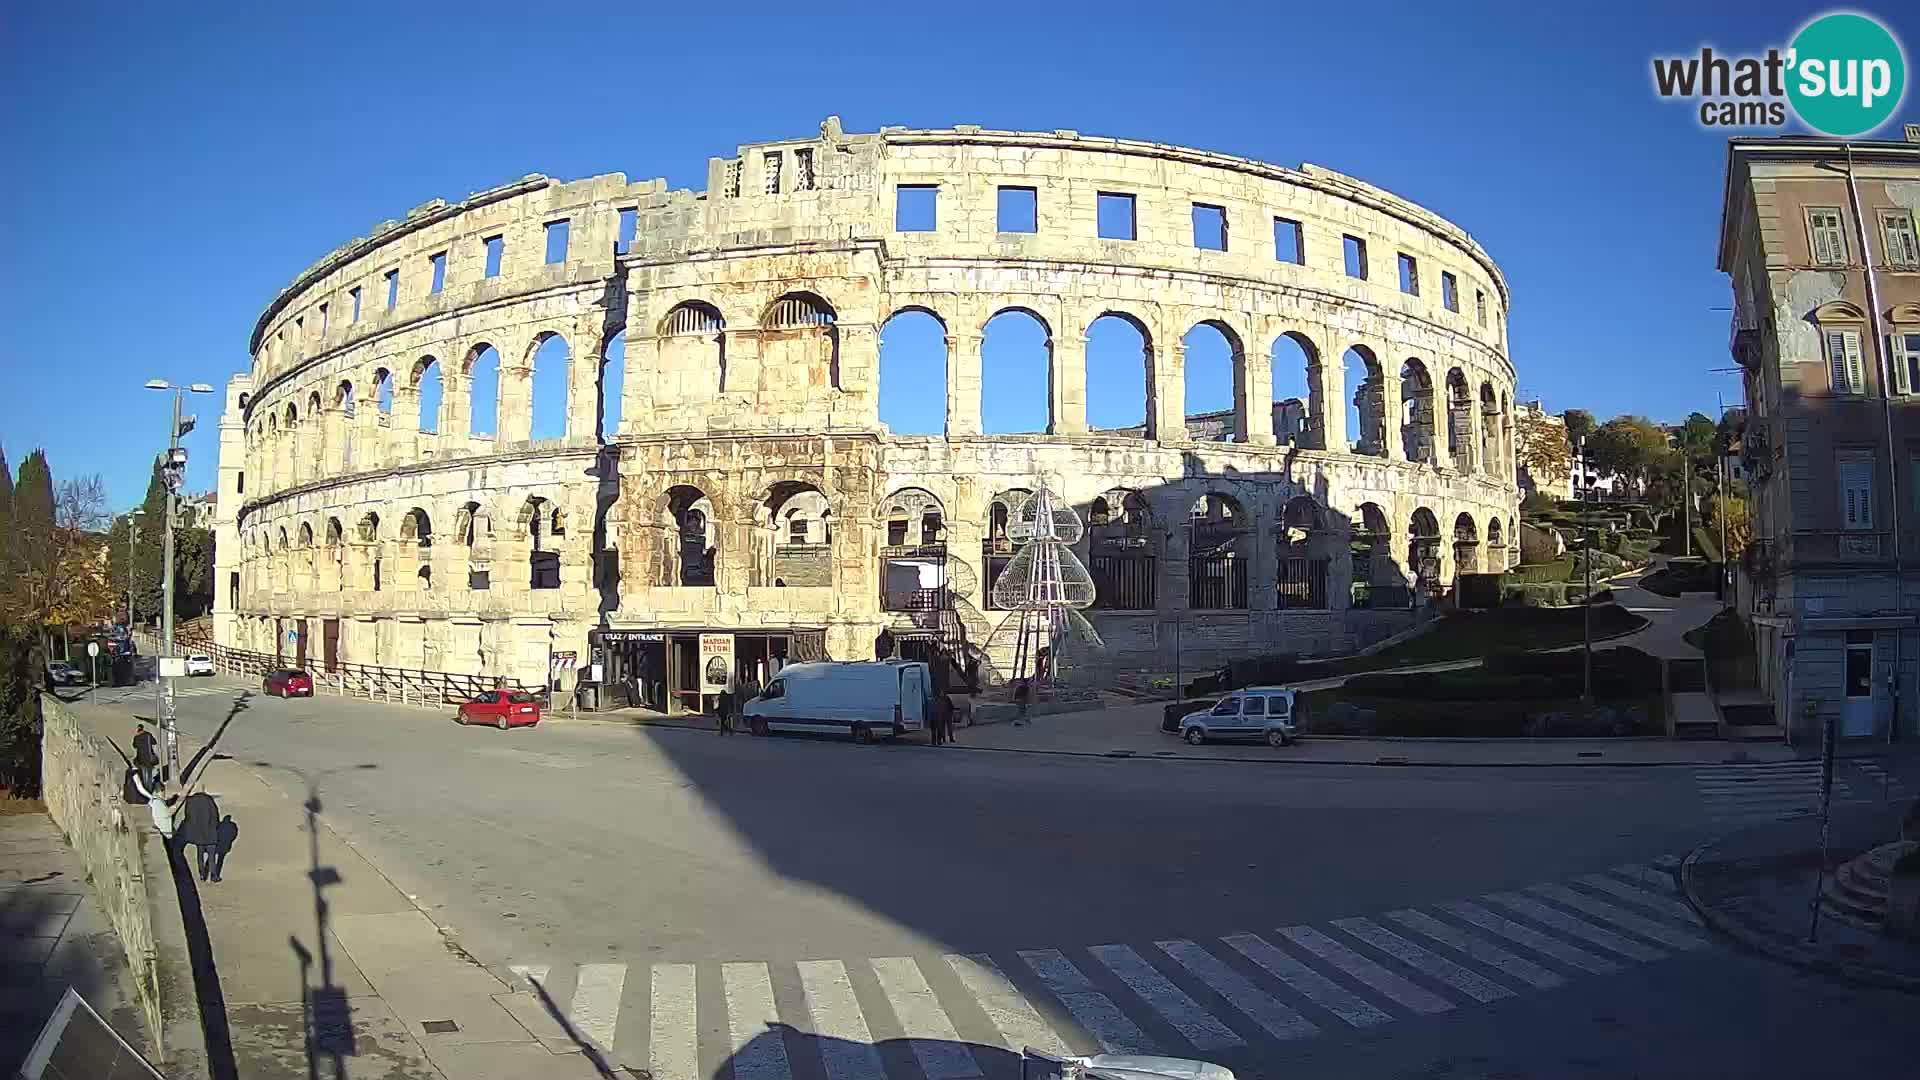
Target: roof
[{"x": 1741, "y": 151}]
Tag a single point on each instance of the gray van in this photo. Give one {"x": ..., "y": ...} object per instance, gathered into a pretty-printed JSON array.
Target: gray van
[{"x": 1253, "y": 712}]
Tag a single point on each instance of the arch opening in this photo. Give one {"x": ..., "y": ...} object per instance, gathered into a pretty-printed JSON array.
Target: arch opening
[
  {"x": 427, "y": 386},
  {"x": 793, "y": 524},
  {"x": 547, "y": 386},
  {"x": 1296, "y": 394},
  {"x": 1220, "y": 550},
  {"x": 913, "y": 558},
  {"x": 913, "y": 373},
  {"x": 1123, "y": 551},
  {"x": 692, "y": 538},
  {"x": 692, "y": 350},
  {"x": 1215, "y": 404},
  {"x": 1304, "y": 544},
  {"x": 1016, "y": 363},
  {"x": 997, "y": 546},
  {"x": 1459, "y": 421},
  {"x": 1416, "y": 411},
  {"x": 1118, "y": 380},
  {"x": 1423, "y": 554},
  {"x": 1367, "y": 404},
  {"x": 612, "y": 386},
  {"x": 483, "y": 394}
]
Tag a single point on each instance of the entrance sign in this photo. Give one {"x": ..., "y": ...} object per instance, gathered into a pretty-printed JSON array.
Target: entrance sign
[{"x": 716, "y": 660}]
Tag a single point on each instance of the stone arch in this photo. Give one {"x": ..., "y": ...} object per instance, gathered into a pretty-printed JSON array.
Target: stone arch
[
  {"x": 546, "y": 385},
  {"x": 416, "y": 526},
  {"x": 1416, "y": 411},
  {"x": 913, "y": 517},
  {"x": 692, "y": 354},
  {"x": 1459, "y": 420},
  {"x": 1490, "y": 456},
  {"x": 610, "y": 385},
  {"x": 793, "y": 532},
  {"x": 538, "y": 524},
  {"x": 1423, "y": 553},
  {"x": 1016, "y": 372},
  {"x": 1367, "y": 407},
  {"x": 996, "y": 541},
  {"x": 1214, "y": 382},
  {"x": 383, "y": 391},
  {"x": 1305, "y": 545},
  {"x": 1466, "y": 545},
  {"x": 1508, "y": 462},
  {"x": 1220, "y": 551},
  {"x": 429, "y": 391},
  {"x": 1119, "y": 359},
  {"x": 691, "y": 536},
  {"x": 482, "y": 373},
  {"x": 913, "y": 343},
  {"x": 1377, "y": 582},
  {"x": 1496, "y": 544},
  {"x": 1123, "y": 551},
  {"x": 1299, "y": 401}
]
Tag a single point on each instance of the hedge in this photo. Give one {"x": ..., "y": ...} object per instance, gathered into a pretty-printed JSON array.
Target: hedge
[{"x": 1560, "y": 569}]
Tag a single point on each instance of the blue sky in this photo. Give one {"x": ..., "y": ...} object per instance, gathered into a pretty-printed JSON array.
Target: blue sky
[{"x": 167, "y": 174}]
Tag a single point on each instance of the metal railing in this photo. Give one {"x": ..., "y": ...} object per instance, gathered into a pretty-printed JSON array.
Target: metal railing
[{"x": 374, "y": 682}]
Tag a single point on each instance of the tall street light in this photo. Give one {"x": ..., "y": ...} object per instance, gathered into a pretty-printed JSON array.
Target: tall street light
[
  {"x": 175, "y": 472},
  {"x": 133, "y": 538}
]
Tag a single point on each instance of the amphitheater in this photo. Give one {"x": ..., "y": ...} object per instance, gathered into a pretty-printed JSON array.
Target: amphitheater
[{"x": 393, "y": 491}]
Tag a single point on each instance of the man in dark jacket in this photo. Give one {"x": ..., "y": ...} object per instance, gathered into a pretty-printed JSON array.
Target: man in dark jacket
[
  {"x": 146, "y": 756},
  {"x": 201, "y": 828}
]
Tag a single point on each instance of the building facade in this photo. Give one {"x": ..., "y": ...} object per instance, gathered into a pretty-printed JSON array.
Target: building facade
[
  {"x": 1818, "y": 239},
  {"x": 388, "y": 494}
]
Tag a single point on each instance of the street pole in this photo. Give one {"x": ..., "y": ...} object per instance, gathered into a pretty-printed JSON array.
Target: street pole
[
  {"x": 1586, "y": 601},
  {"x": 133, "y": 539},
  {"x": 166, "y": 599}
]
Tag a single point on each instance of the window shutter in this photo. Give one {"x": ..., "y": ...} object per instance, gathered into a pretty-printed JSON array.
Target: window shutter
[
  {"x": 1856, "y": 368},
  {"x": 1818, "y": 226},
  {"x": 1837, "y": 361},
  {"x": 1856, "y": 493}
]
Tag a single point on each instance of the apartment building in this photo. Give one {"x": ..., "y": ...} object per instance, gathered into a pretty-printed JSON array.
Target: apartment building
[{"x": 1817, "y": 237}]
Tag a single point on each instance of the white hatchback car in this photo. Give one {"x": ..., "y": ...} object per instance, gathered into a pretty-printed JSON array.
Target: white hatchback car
[
  {"x": 199, "y": 664},
  {"x": 1253, "y": 712}
]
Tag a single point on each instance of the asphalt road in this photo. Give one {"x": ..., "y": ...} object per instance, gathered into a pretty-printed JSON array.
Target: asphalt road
[{"x": 1185, "y": 899}]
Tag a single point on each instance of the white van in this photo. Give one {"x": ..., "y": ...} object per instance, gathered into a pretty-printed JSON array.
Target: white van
[{"x": 865, "y": 699}]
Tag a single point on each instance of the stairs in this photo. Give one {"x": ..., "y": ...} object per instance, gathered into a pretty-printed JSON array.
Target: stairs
[{"x": 1857, "y": 893}]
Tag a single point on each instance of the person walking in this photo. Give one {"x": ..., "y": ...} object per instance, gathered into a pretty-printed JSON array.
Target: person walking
[
  {"x": 146, "y": 755},
  {"x": 224, "y": 837},
  {"x": 729, "y": 693},
  {"x": 159, "y": 804},
  {"x": 200, "y": 826}
]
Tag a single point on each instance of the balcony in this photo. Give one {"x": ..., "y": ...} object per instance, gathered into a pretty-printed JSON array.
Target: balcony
[{"x": 1840, "y": 546}]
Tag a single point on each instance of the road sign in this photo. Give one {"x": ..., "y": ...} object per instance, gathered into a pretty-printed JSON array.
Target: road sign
[
  {"x": 173, "y": 667},
  {"x": 93, "y": 648}
]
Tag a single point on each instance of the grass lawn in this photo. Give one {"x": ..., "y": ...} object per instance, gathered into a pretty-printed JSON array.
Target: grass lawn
[{"x": 1471, "y": 635}]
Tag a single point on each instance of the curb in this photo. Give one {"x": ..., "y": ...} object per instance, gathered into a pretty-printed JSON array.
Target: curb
[
  {"x": 1378, "y": 762},
  {"x": 1774, "y": 947}
]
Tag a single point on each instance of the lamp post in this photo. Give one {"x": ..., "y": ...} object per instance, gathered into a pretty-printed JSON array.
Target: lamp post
[
  {"x": 133, "y": 538},
  {"x": 174, "y": 472}
]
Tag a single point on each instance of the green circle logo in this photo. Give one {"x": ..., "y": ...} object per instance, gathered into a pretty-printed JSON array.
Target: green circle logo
[{"x": 1848, "y": 74}]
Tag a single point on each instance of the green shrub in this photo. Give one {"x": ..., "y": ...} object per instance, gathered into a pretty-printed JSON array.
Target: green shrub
[{"x": 1560, "y": 569}]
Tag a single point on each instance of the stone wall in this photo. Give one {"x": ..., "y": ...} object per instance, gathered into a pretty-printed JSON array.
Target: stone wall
[{"x": 81, "y": 778}]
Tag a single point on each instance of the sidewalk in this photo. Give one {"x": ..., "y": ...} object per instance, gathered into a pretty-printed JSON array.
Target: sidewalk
[
  {"x": 1134, "y": 731},
  {"x": 324, "y": 964},
  {"x": 53, "y": 935},
  {"x": 1757, "y": 886}
]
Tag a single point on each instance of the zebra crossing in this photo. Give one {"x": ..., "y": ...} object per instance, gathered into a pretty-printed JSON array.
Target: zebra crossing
[
  {"x": 964, "y": 1016},
  {"x": 1753, "y": 794}
]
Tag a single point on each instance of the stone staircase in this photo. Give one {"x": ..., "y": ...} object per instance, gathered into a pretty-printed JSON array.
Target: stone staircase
[{"x": 1857, "y": 893}]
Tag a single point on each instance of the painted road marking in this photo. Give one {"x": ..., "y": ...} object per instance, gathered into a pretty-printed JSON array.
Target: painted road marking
[
  {"x": 759, "y": 1053},
  {"x": 1365, "y": 970},
  {"x": 1019, "y": 1024},
  {"x": 596, "y": 1002},
  {"x": 1316, "y": 987},
  {"x": 1533, "y": 939},
  {"x": 1478, "y": 948},
  {"x": 1580, "y": 928},
  {"x": 1673, "y": 909},
  {"x": 1196, "y": 1024},
  {"x": 846, "y": 1045},
  {"x": 1627, "y": 920},
  {"x": 675, "y": 1050},
  {"x": 939, "y": 1049},
  {"x": 1432, "y": 965},
  {"x": 1094, "y": 1010},
  {"x": 1278, "y": 1020}
]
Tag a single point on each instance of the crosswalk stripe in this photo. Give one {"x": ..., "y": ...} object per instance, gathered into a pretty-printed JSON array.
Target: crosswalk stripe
[
  {"x": 1478, "y": 948},
  {"x": 759, "y": 1053},
  {"x": 1433, "y": 965},
  {"x": 1312, "y": 985},
  {"x": 596, "y": 1002},
  {"x": 1193, "y": 1022},
  {"x": 1660, "y": 882},
  {"x": 531, "y": 974},
  {"x": 1094, "y": 1010},
  {"x": 1533, "y": 939},
  {"x": 1278, "y": 1020},
  {"x": 846, "y": 1044},
  {"x": 1673, "y": 909},
  {"x": 1580, "y": 928},
  {"x": 675, "y": 1050},
  {"x": 1626, "y": 920},
  {"x": 1365, "y": 970},
  {"x": 936, "y": 1045},
  {"x": 1019, "y": 1024}
]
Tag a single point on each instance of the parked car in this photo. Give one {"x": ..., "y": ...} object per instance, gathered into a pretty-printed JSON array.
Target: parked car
[
  {"x": 501, "y": 708},
  {"x": 199, "y": 664},
  {"x": 288, "y": 682},
  {"x": 1255, "y": 712},
  {"x": 60, "y": 673}
]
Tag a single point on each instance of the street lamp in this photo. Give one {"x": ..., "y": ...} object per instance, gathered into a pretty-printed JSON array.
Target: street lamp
[
  {"x": 133, "y": 537},
  {"x": 174, "y": 472}
]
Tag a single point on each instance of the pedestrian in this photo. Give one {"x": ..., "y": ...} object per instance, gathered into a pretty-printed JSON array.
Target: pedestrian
[
  {"x": 728, "y": 692},
  {"x": 160, "y": 805},
  {"x": 146, "y": 756},
  {"x": 200, "y": 826},
  {"x": 1022, "y": 692},
  {"x": 224, "y": 837}
]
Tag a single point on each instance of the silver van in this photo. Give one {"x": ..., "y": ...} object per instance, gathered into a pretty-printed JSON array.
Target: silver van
[{"x": 1253, "y": 712}]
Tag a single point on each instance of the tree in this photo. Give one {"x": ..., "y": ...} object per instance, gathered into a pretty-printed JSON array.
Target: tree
[
  {"x": 1731, "y": 508},
  {"x": 1541, "y": 449},
  {"x": 60, "y": 569},
  {"x": 1696, "y": 440},
  {"x": 1579, "y": 425}
]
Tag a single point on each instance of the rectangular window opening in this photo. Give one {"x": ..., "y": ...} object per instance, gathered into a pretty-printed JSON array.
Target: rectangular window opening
[
  {"x": 915, "y": 207},
  {"x": 1409, "y": 275},
  {"x": 1288, "y": 242},
  {"x": 439, "y": 263},
  {"x": 1903, "y": 248},
  {"x": 1856, "y": 491},
  {"x": 1480, "y": 306},
  {"x": 1847, "y": 373},
  {"x": 1449, "y": 291},
  {"x": 557, "y": 235},
  {"x": 1826, "y": 236},
  {"x": 1209, "y": 227},
  {"x": 354, "y": 295},
  {"x": 496, "y": 247},
  {"x": 393, "y": 288},
  {"x": 1018, "y": 210},
  {"x": 1355, "y": 250},
  {"x": 1906, "y": 359},
  {"x": 733, "y": 178},
  {"x": 1114, "y": 216},
  {"x": 803, "y": 170},
  {"x": 770, "y": 164},
  {"x": 324, "y": 322},
  {"x": 623, "y": 239}
]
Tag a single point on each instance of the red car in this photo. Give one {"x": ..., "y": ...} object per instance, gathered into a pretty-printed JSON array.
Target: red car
[
  {"x": 288, "y": 683},
  {"x": 501, "y": 708}
]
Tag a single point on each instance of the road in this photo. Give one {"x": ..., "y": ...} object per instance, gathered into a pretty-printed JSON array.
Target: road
[{"x": 1282, "y": 920}]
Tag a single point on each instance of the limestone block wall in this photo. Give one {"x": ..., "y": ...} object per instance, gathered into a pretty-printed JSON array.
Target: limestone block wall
[{"x": 748, "y": 317}]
